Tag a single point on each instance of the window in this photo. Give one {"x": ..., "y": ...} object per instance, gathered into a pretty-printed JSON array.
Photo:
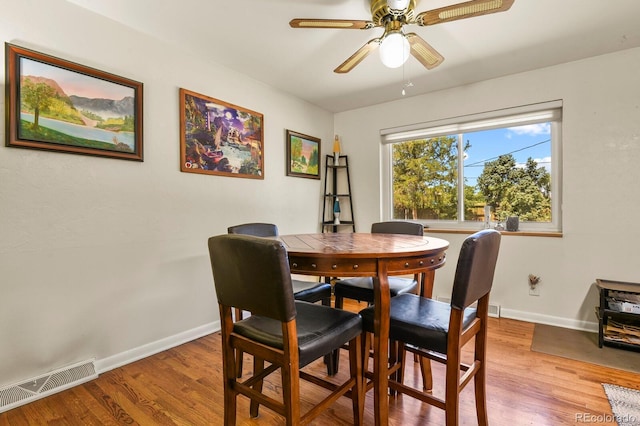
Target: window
[{"x": 448, "y": 173}]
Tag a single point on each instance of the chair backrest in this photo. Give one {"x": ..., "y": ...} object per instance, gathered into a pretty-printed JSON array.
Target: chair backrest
[
  {"x": 255, "y": 229},
  {"x": 397, "y": 227},
  {"x": 475, "y": 269},
  {"x": 252, "y": 274}
]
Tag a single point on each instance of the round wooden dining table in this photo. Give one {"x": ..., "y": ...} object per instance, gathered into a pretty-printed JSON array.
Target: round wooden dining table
[{"x": 377, "y": 256}]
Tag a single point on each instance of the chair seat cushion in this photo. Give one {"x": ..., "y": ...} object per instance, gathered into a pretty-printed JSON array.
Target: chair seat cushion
[
  {"x": 321, "y": 329},
  {"x": 418, "y": 321},
  {"x": 362, "y": 288},
  {"x": 310, "y": 291}
]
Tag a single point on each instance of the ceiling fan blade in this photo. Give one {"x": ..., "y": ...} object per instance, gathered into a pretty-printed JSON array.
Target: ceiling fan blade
[
  {"x": 423, "y": 52},
  {"x": 464, "y": 10},
  {"x": 357, "y": 57},
  {"x": 331, "y": 23}
]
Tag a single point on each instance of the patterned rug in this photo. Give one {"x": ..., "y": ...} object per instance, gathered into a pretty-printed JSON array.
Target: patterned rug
[{"x": 625, "y": 404}]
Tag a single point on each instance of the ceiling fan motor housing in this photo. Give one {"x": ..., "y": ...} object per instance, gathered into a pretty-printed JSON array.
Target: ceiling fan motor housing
[{"x": 383, "y": 11}]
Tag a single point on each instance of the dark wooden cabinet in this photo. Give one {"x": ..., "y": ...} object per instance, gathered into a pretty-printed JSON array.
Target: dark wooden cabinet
[
  {"x": 619, "y": 314},
  {"x": 337, "y": 189}
]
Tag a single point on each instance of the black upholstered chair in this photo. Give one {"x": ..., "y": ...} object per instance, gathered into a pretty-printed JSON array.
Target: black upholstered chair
[
  {"x": 309, "y": 291},
  {"x": 439, "y": 330},
  {"x": 287, "y": 333},
  {"x": 361, "y": 288}
]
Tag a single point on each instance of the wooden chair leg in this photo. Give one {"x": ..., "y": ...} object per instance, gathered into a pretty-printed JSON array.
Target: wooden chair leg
[
  {"x": 425, "y": 368},
  {"x": 239, "y": 359},
  {"x": 367, "y": 341},
  {"x": 331, "y": 360},
  {"x": 339, "y": 302},
  {"x": 427, "y": 377},
  {"x": 230, "y": 397},
  {"x": 291, "y": 393},
  {"x": 229, "y": 370},
  {"x": 400, "y": 351},
  {"x": 239, "y": 354},
  {"x": 229, "y": 406},
  {"x": 481, "y": 396},
  {"x": 357, "y": 372},
  {"x": 258, "y": 367},
  {"x": 480, "y": 378},
  {"x": 452, "y": 411},
  {"x": 394, "y": 358},
  {"x": 452, "y": 389}
]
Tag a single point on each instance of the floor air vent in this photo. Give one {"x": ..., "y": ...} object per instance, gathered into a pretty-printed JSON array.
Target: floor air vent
[
  {"x": 50, "y": 383},
  {"x": 494, "y": 310}
]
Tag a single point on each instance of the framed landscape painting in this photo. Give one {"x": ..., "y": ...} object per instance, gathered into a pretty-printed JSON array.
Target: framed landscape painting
[
  {"x": 218, "y": 138},
  {"x": 57, "y": 105},
  {"x": 303, "y": 155}
]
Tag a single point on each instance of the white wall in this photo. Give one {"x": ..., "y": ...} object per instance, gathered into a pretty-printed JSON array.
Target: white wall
[
  {"x": 107, "y": 259},
  {"x": 601, "y": 156}
]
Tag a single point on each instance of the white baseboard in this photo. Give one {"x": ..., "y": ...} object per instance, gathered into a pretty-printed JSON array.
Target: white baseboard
[
  {"x": 126, "y": 357},
  {"x": 549, "y": 320},
  {"x": 495, "y": 310}
]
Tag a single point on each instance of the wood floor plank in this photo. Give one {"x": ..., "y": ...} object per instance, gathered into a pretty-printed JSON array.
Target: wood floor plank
[{"x": 183, "y": 386}]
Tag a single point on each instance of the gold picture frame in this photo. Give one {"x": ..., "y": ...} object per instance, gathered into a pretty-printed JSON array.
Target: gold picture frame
[{"x": 218, "y": 138}]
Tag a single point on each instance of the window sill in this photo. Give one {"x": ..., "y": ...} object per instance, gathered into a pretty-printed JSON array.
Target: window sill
[{"x": 516, "y": 233}]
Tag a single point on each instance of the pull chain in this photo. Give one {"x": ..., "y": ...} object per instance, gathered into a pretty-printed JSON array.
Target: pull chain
[{"x": 408, "y": 82}]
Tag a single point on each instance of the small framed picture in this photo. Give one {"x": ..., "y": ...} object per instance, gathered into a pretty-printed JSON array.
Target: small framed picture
[
  {"x": 303, "y": 155},
  {"x": 218, "y": 138},
  {"x": 57, "y": 105}
]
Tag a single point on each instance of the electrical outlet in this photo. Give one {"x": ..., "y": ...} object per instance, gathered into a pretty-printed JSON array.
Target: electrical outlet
[{"x": 534, "y": 290}]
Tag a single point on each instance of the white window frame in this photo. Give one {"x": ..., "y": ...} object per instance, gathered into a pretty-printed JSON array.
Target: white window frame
[{"x": 508, "y": 117}]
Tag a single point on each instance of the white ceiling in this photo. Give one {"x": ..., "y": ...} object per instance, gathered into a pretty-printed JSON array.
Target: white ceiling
[{"x": 253, "y": 37}]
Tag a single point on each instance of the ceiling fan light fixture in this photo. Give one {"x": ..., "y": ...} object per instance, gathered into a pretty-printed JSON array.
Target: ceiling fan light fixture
[{"x": 394, "y": 50}]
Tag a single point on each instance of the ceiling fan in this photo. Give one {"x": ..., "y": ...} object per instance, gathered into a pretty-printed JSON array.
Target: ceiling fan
[{"x": 394, "y": 44}]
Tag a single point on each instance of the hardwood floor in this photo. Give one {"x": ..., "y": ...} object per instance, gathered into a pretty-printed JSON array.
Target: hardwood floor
[{"x": 183, "y": 386}]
